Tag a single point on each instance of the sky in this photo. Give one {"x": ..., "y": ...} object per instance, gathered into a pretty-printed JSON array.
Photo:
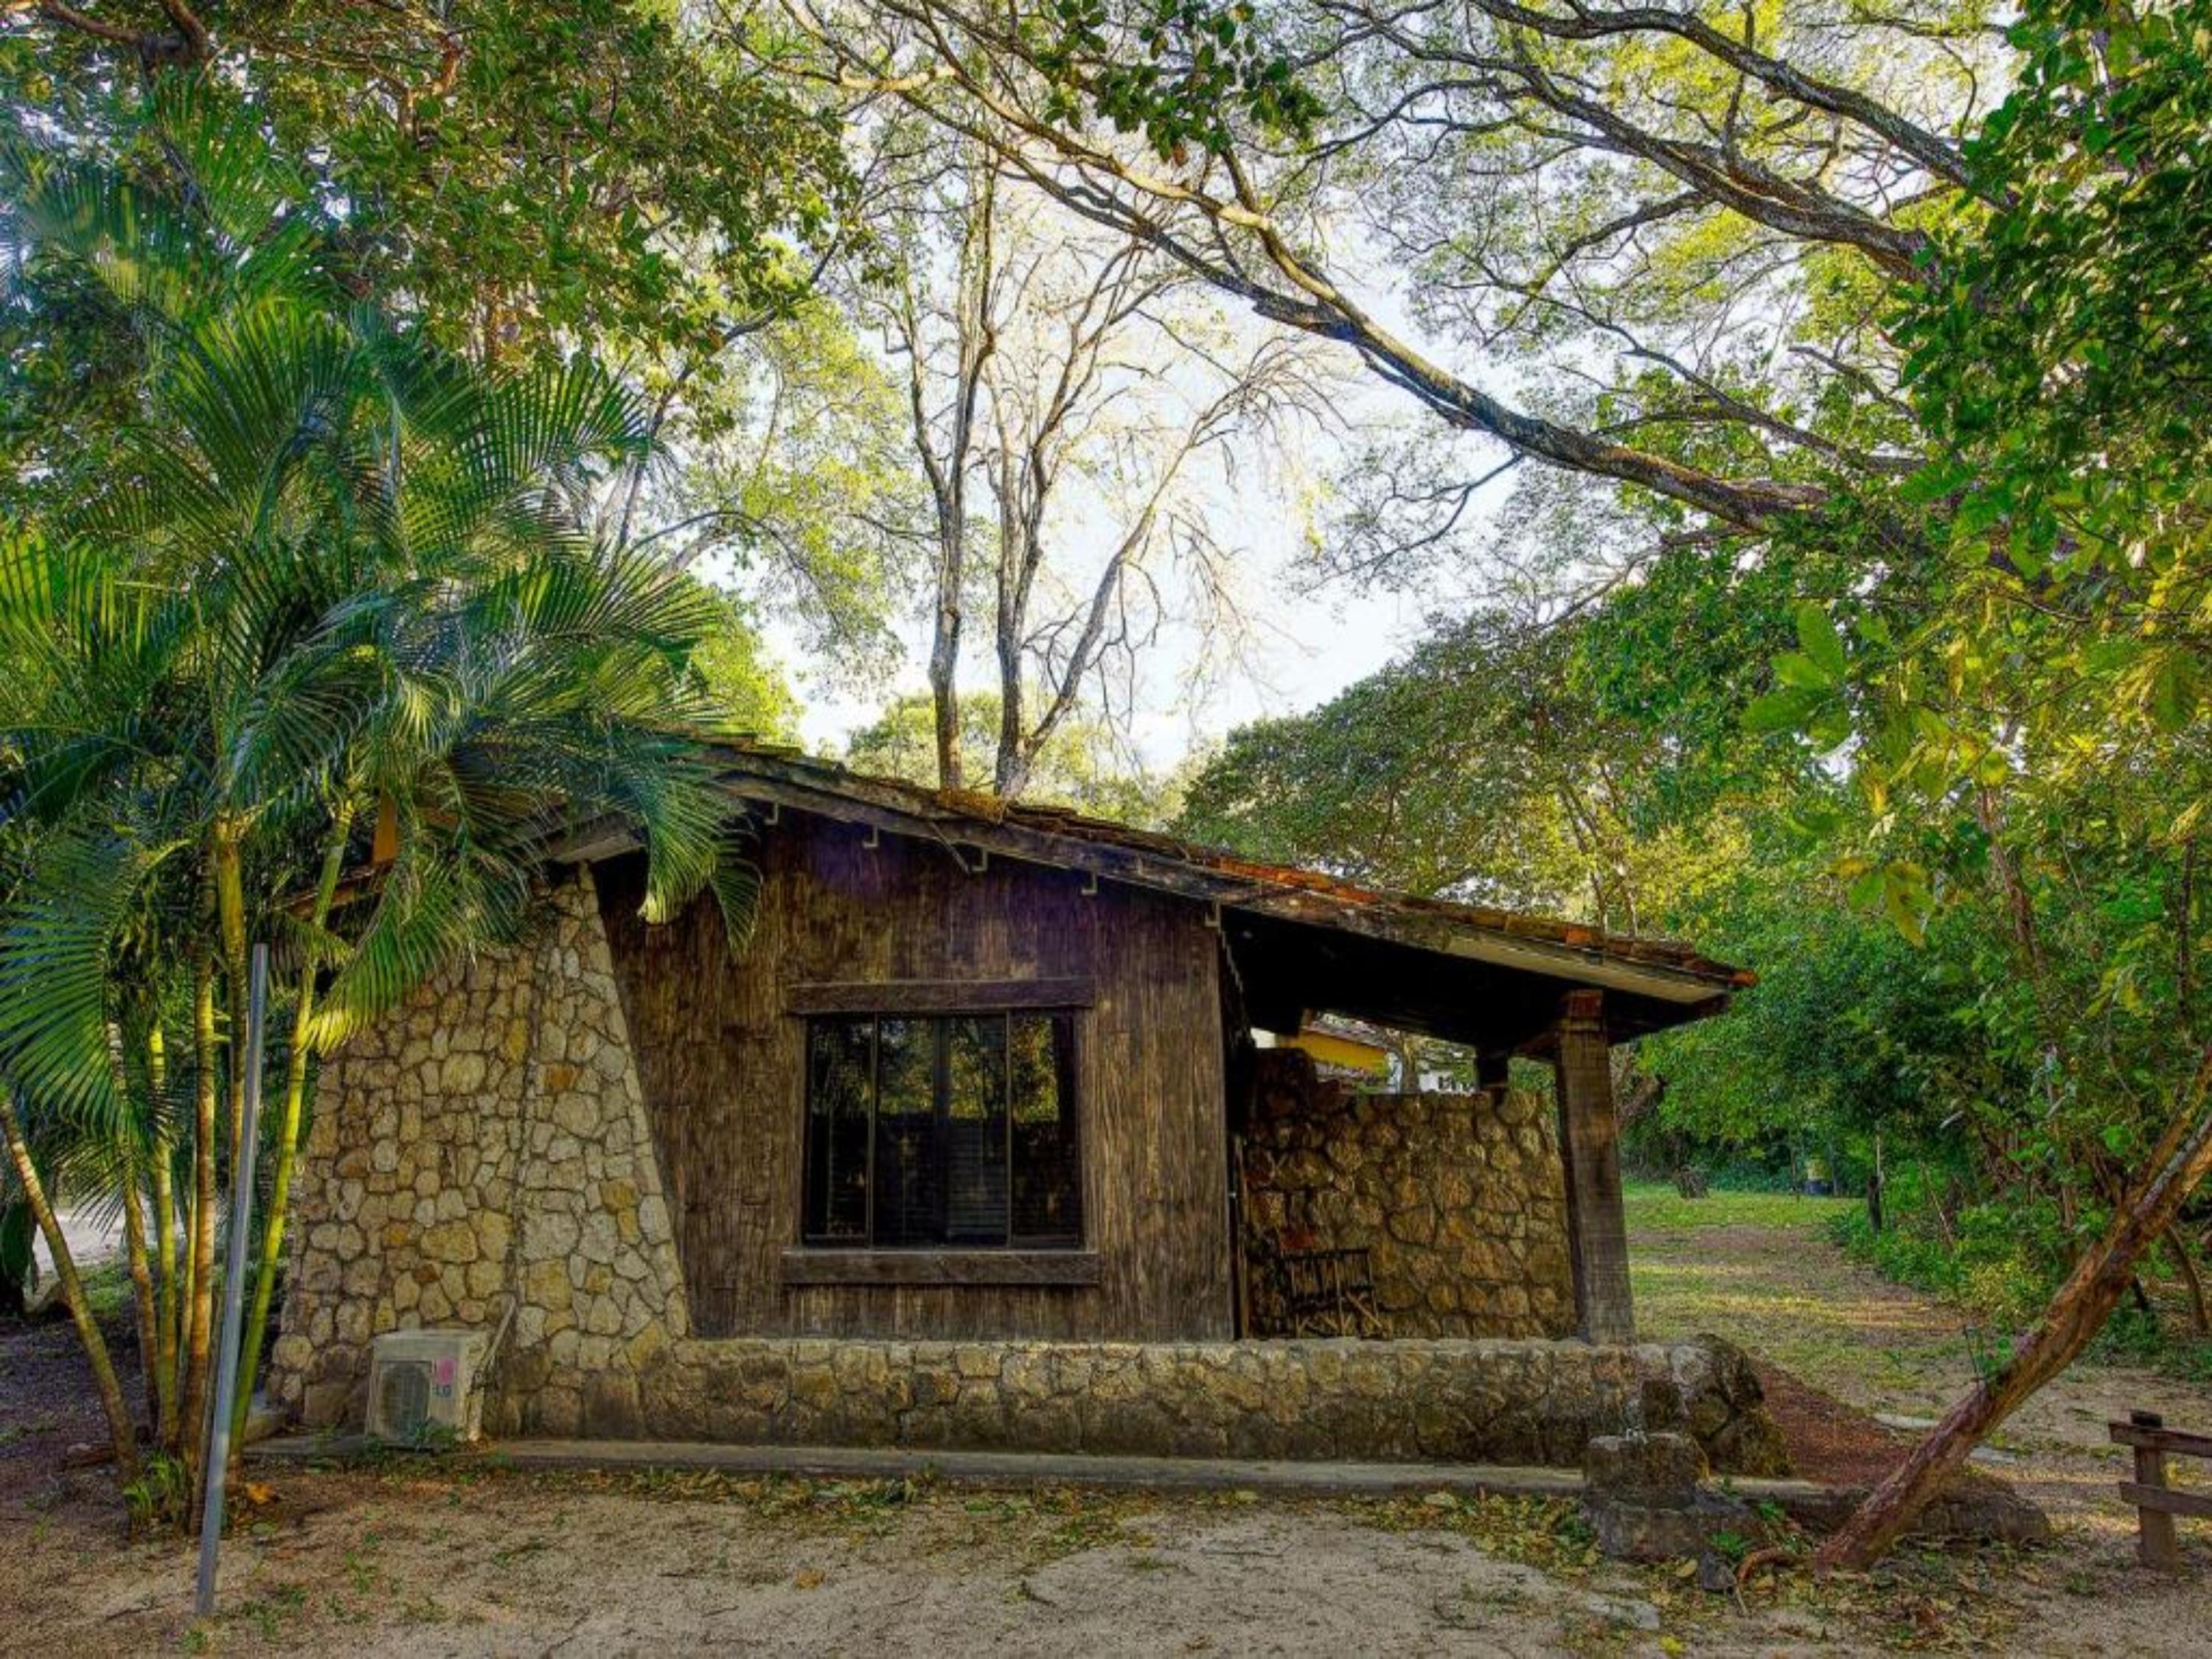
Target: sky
[
  {"x": 1310, "y": 639},
  {"x": 1314, "y": 645}
]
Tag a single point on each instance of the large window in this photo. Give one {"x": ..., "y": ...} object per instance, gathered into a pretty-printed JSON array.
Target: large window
[{"x": 942, "y": 1130}]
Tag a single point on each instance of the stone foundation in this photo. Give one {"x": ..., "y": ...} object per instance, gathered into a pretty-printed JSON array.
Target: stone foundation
[
  {"x": 1459, "y": 1202},
  {"x": 1451, "y": 1401}
]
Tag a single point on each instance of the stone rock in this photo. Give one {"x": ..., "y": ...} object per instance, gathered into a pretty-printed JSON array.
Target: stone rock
[
  {"x": 1974, "y": 1508},
  {"x": 451, "y": 1241},
  {"x": 1467, "y": 1229},
  {"x": 462, "y": 1075},
  {"x": 545, "y": 1286},
  {"x": 549, "y": 1235},
  {"x": 1715, "y": 1574},
  {"x": 1985, "y": 1510},
  {"x": 1661, "y": 1470}
]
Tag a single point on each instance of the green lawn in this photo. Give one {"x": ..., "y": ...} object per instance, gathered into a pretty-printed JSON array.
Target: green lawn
[
  {"x": 1654, "y": 1207},
  {"x": 1758, "y": 1269}
]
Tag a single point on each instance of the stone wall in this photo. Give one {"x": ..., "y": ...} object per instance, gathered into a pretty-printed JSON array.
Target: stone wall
[
  {"x": 481, "y": 1159},
  {"x": 1461, "y": 1203},
  {"x": 1456, "y": 1402}
]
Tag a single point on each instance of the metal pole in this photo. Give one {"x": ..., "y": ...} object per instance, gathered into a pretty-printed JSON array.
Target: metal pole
[{"x": 233, "y": 1286}]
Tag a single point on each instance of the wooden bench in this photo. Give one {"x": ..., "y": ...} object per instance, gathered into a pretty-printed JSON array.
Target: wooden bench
[{"x": 2156, "y": 1503}]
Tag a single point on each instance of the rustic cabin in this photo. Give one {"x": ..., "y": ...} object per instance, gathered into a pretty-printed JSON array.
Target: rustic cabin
[{"x": 997, "y": 1133}]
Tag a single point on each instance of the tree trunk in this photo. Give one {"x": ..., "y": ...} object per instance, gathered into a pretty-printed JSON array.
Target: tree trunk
[
  {"x": 165, "y": 1243},
  {"x": 141, "y": 1293},
  {"x": 288, "y": 1138},
  {"x": 199, "y": 1318},
  {"x": 120, "y": 1428},
  {"x": 2200, "y": 1316},
  {"x": 2181, "y": 1161},
  {"x": 1875, "y": 1184},
  {"x": 135, "y": 1254},
  {"x": 945, "y": 704}
]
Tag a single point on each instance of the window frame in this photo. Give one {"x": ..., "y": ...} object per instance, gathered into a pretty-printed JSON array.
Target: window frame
[{"x": 1019, "y": 1258}]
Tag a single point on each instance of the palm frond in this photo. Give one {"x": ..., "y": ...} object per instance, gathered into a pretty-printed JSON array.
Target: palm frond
[{"x": 56, "y": 933}]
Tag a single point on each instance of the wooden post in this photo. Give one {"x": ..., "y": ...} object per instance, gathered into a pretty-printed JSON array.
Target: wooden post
[
  {"x": 2155, "y": 1544},
  {"x": 1589, "y": 1146}
]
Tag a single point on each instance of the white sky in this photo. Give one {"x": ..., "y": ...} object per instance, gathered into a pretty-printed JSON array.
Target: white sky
[
  {"x": 1314, "y": 645},
  {"x": 1309, "y": 640}
]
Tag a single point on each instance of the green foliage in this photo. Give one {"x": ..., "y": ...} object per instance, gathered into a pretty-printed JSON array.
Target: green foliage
[
  {"x": 18, "y": 1264},
  {"x": 795, "y": 478},
  {"x": 161, "y": 1498},
  {"x": 517, "y": 178},
  {"x": 1999, "y": 1260},
  {"x": 344, "y": 575},
  {"x": 1478, "y": 767},
  {"x": 2064, "y": 359},
  {"x": 1172, "y": 69},
  {"x": 323, "y": 604},
  {"x": 2132, "y": 1337},
  {"x": 1850, "y": 1031},
  {"x": 745, "y": 691}
]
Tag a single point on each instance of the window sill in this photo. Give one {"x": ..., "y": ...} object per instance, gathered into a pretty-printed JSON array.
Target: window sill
[{"x": 804, "y": 1266}]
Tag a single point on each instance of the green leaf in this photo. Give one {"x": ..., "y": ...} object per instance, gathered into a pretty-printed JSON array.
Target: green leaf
[
  {"x": 1777, "y": 711},
  {"x": 2177, "y": 689},
  {"x": 1907, "y": 898},
  {"x": 1817, "y": 636},
  {"x": 1795, "y": 669}
]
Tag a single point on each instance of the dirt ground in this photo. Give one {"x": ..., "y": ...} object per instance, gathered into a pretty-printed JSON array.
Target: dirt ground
[{"x": 404, "y": 1558}]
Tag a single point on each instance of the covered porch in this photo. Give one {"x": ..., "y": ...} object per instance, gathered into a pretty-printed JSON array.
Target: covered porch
[{"x": 1424, "y": 1208}]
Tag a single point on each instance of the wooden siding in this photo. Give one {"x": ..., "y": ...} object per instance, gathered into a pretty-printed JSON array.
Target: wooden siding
[{"x": 720, "y": 1058}]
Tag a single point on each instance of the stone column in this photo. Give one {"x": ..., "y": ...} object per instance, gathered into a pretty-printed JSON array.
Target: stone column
[{"x": 1589, "y": 1146}]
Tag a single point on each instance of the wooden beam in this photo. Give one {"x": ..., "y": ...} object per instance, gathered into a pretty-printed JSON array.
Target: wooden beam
[
  {"x": 2179, "y": 1442},
  {"x": 936, "y": 996},
  {"x": 1589, "y": 1146},
  {"x": 1654, "y": 991},
  {"x": 949, "y": 1267},
  {"x": 2165, "y": 1500}
]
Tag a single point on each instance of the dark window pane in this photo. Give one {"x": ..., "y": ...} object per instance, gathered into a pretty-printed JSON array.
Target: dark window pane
[
  {"x": 936, "y": 1130},
  {"x": 1048, "y": 1197},
  {"x": 975, "y": 1130},
  {"x": 909, "y": 1210},
  {"x": 837, "y": 1065}
]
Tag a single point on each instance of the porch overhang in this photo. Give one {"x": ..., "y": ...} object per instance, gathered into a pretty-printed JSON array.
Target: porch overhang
[{"x": 1302, "y": 941}]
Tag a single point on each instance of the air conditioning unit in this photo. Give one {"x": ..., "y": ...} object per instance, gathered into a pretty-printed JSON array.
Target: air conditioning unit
[{"x": 422, "y": 1386}]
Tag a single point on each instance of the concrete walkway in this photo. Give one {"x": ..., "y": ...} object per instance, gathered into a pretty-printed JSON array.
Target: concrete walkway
[
  {"x": 977, "y": 1468},
  {"x": 987, "y": 1468},
  {"x": 92, "y": 1240}
]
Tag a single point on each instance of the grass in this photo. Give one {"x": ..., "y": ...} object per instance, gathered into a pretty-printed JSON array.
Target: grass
[
  {"x": 1714, "y": 1264},
  {"x": 1654, "y": 1207},
  {"x": 108, "y": 1288}
]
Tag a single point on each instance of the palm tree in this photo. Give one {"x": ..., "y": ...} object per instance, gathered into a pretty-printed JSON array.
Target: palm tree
[{"x": 323, "y": 603}]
